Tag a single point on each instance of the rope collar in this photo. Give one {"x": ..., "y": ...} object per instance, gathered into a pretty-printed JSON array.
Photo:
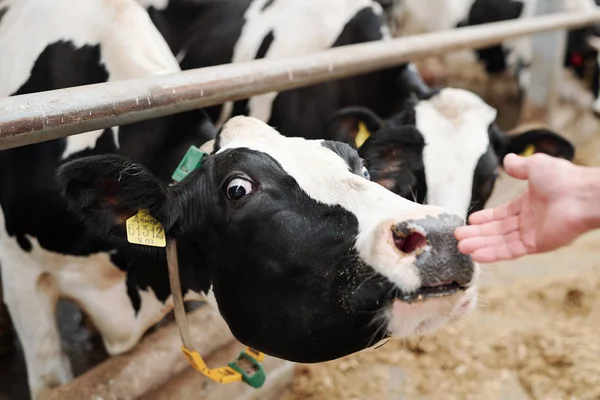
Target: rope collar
[
  {"x": 144, "y": 230},
  {"x": 246, "y": 367}
]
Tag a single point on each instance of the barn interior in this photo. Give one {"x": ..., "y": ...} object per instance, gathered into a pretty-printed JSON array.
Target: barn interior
[{"x": 534, "y": 335}]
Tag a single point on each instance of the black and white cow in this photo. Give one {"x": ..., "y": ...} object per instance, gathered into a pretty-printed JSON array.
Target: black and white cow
[
  {"x": 444, "y": 148},
  {"x": 44, "y": 252},
  {"x": 581, "y": 53},
  {"x": 304, "y": 257},
  {"x": 460, "y": 160}
]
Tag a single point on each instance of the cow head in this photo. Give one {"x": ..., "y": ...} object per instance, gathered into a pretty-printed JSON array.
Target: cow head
[
  {"x": 392, "y": 152},
  {"x": 444, "y": 147},
  {"x": 307, "y": 259}
]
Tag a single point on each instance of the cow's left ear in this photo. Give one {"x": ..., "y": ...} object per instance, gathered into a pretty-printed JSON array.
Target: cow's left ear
[
  {"x": 106, "y": 190},
  {"x": 530, "y": 142},
  {"x": 353, "y": 125}
]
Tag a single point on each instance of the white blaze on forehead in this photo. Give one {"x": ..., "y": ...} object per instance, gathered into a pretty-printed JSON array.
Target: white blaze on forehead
[
  {"x": 299, "y": 27},
  {"x": 455, "y": 126},
  {"x": 326, "y": 178},
  {"x": 319, "y": 171},
  {"x": 130, "y": 44}
]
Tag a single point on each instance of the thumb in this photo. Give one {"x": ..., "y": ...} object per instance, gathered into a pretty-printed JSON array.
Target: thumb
[{"x": 516, "y": 166}]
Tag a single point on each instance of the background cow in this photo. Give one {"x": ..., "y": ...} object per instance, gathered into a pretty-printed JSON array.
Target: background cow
[
  {"x": 459, "y": 165},
  {"x": 514, "y": 56},
  {"x": 429, "y": 164},
  {"x": 44, "y": 252}
]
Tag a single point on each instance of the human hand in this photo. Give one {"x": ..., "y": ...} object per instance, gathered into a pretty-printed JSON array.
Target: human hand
[{"x": 547, "y": 216}]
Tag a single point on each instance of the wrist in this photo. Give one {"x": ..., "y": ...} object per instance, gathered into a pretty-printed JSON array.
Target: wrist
[{"x": 587, "y": 192}]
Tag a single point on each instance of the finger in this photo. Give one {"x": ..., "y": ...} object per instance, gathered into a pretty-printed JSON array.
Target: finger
[
  {"x": 506, "y": 251},
  {"x": 498, "y": 213},
  {"x": 501, "y": 227},
  {"x": 516, "y": 166},
  {"x": 472, "y": 244}
]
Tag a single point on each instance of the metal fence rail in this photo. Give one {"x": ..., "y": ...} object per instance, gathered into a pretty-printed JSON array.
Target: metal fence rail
[{"x": 37, "y": 117}]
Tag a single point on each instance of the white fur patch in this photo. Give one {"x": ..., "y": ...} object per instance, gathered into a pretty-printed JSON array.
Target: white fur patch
[
  {"x": 157, "y": 4},
  {"x": 416, "y": 16},
  {"x": 455, "y": 126},
  {"x": 131, "y": 46},
  {"x": 299, "y": 27}
]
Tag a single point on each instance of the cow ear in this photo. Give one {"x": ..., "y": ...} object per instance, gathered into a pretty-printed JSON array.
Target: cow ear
[
  {"x": 106, "y": 190},
  {"x": 394, "y": 158},
  {"x": 353, "y": 125},
  {"x": 530, "y": 142},
  {"x": 594, "y": 40}
]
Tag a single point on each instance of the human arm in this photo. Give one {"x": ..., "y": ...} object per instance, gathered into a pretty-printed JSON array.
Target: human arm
[{"x": 560, "y": 204}]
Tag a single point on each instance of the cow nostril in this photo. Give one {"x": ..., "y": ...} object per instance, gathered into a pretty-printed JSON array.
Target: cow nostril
[{"x": 409, "y": 243}]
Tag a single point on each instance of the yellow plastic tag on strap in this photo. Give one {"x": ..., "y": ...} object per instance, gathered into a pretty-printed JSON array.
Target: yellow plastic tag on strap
[
  {"x": 362, "y": 135},
  {"x": 220, "y": 375},
  {"x": 529, "y": 151},
  {"x": 143, "y": 229},
  {"x": 257, "y": 355}
]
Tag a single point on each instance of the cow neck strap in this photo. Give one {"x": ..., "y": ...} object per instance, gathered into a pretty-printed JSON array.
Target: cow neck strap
[{"x": 246, "y": 367}]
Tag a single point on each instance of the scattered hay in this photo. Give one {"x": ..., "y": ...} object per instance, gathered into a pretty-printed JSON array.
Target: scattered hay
[{"x": 529, "y": 341}]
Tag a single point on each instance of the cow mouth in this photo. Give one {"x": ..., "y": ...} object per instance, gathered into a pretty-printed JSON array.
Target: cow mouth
[{"x": 430, "y": 291}]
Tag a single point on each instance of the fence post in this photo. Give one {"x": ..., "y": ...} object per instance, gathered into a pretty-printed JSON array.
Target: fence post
[{"x": 546, "y": 69}]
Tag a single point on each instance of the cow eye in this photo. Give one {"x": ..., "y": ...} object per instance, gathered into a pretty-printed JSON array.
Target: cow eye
[
  {"x": 238, "y": 188},
  {"x": 365, "y": 173}
]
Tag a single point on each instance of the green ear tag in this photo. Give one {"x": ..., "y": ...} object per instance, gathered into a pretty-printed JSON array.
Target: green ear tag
[
  {"x": 252, "y": 372},
  {"x": 192, "y": 160}
]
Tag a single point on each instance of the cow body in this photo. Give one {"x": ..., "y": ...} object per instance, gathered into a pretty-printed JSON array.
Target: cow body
[
  {"x": 514, "y": 55},
  {"x": 337, "y": 259},
  {"x": 211, "y": 33}
]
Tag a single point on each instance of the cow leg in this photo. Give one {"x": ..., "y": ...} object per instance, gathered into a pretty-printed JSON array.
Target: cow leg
[{"x": 31, "y": 297}]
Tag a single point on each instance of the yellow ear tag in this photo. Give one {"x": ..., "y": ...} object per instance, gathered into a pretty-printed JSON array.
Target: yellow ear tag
[
  {"x": 143, "y": 229},
  {"x": 529, "y": 150},
  {"x": 362, "y": 135}
]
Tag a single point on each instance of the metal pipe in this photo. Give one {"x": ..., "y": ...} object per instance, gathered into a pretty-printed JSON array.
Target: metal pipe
[
  {"x": 545, "y": 69},
  {"x": 38, "y": 117}
]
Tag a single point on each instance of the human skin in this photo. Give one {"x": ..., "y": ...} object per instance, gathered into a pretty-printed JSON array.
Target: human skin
[{"x": 560, "y": 204}]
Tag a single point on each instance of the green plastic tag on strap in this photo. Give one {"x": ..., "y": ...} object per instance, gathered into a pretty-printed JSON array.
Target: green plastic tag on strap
[
  {"x": 252, "y": 372},
  {"x": 192, "y": 160}
]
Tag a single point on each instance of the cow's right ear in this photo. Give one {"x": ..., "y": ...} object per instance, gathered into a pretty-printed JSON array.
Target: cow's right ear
[
  {"x": 394, "y": 158},
  {"x": 353, "y": 125},
  {"x": 106, "y": 190}
]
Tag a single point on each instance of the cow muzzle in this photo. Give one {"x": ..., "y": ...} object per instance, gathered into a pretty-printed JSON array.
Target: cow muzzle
[{"x": 441, "y": 268}]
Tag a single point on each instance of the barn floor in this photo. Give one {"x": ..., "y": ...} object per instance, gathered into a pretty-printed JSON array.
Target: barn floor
[{"x": 534, "y": 335}]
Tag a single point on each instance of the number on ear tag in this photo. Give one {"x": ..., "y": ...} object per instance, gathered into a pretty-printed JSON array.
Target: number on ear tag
[
  {"x": 362, "y": 135},
  {"x": 529, "y": 151},
  {"x": 144, "y": 230}
]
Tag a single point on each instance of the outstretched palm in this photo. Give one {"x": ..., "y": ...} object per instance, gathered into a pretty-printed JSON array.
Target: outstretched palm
[{"x": 543, "y": 218}]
